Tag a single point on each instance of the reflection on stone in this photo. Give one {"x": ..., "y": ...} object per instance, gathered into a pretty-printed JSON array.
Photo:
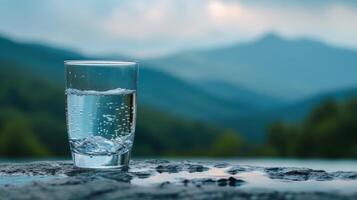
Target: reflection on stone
[{"x": 172, "y": 180}]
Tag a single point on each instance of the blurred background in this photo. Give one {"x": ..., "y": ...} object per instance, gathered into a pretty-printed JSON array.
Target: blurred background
[{"x": 217, "y": 78}]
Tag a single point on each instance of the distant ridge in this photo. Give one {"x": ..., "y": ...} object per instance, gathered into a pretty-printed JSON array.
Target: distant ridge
[
  {"x": 254, "y": 126},
  {"x": 272, "y": 65},
  {"x": 158, "y": 89},
  {"x": 244, "y": 86},
  {"x": 42, "y": 61}
]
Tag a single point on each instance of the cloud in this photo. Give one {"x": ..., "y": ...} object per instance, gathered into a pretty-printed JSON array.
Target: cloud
[
  {"x": 155, "y": 27},
  {"x": 223, "y": 12},
  {"x": 159, "y": 19},
  {"x": 333, "y": 22},
  {"x": 214, "y": 22}
]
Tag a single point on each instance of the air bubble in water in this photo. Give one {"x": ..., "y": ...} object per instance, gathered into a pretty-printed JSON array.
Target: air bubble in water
[{"x": 89, "y": 134}]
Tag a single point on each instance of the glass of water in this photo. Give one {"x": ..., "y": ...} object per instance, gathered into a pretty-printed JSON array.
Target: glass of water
[{"x": 101, "y": 112}]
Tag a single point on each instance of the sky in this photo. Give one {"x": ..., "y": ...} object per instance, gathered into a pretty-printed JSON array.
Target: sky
[{"x": 150, "y": 28}]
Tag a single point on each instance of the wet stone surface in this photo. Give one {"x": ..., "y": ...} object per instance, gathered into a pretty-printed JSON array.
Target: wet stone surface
[{"x": 162, "y": 179}]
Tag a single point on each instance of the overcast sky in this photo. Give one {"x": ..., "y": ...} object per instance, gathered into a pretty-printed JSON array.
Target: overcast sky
[{"x": 156, "y": 27}]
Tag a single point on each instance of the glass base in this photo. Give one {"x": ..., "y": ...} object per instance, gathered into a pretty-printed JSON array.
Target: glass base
[{"x": 101, "y": 162}]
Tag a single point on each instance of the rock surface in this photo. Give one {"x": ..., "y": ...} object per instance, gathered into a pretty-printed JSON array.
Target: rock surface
[{"x": 160, "y": 179}]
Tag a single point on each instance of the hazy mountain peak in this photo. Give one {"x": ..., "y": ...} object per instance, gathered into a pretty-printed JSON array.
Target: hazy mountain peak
[
  {"x": 271, "y": 37},
  {"x": 5, "y": 40},
  {"x": 289, "y": 69}
]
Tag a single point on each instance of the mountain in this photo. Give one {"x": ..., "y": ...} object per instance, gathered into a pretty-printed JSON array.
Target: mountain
[
  {"x": 200, "y": 92},
  {"x": 255, "y": 125},
  {"x": 40, "y": 60},
  {"x": 32, "y": 117},
  {"x": 299, "y": 110},
  {"x": 236, "y": 93},
  {"x": 157, "y": 89},
  {"x": 179, "y": 97},
  {"x": 286, "y": 69}
]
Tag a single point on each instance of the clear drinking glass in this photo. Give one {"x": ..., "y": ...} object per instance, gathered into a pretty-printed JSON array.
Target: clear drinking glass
[{"x": 101, "y": 112}]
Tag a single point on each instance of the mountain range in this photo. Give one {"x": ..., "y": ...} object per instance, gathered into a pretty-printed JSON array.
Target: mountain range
[
  {"x": 245, "y": 86},
  {"x": 285, "y": 69},
  {"x": 157, "y": 89}
]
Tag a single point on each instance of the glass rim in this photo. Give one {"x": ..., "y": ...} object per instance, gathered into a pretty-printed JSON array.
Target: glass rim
[{"x": 100, "y": 63}]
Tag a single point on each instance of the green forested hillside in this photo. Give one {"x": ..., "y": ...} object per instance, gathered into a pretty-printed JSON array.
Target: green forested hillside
[
  {"x": 32, "y": 123},
  {"x": 32, "y": 118},
  {"x": 160, "y": 90},
  {"x": 32, "y": 115},
  {"x": 329, "y": 131}
]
